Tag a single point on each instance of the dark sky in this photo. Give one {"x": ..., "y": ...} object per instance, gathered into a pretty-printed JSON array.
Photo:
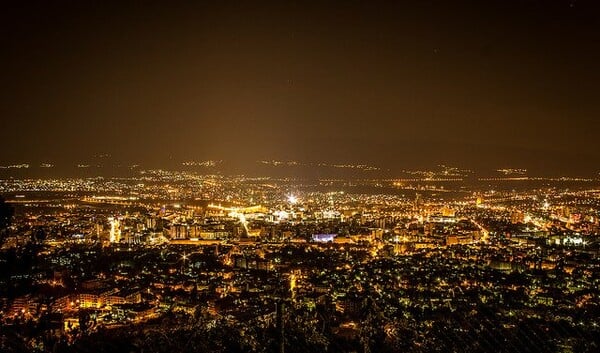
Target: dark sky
[{"x": 474, "y": 83}]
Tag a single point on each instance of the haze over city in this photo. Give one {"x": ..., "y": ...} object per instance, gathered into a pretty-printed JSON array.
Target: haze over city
[
  {"x": 298, "y": 176},
  {"x": 407, "y": 84}
]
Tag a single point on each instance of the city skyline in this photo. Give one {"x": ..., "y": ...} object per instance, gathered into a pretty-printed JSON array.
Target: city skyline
[{"x": 165, "y": 260}]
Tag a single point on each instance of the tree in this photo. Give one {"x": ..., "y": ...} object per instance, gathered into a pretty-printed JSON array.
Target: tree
[{"x": 84, "y": 320}]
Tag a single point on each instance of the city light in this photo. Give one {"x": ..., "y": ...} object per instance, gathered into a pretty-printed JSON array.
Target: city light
[
  {"x": 292, "y": 199},
  {"x": 338, "y": 176}
]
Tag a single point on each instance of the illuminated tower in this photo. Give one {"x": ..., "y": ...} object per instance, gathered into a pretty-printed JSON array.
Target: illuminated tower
[
  {"x": 115, "y": 230},
  {"x": 418, "y": 203}
]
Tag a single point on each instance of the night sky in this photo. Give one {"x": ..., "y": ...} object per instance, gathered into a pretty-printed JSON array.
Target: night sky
[{"x": 480, "y": 84}]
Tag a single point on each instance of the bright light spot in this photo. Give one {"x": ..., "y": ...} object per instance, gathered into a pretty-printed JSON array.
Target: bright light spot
[
  {"x": 281, "y": 215},
  {"x": 292, "y": 199}
]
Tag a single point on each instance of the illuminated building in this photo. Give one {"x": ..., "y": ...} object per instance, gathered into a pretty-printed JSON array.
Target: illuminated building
[
  {"x": 115, "y": 230},
  {"x": 448, "y": 212},
  {"x": 517, "y": 217},
  {"x": 178, "y": 231}
]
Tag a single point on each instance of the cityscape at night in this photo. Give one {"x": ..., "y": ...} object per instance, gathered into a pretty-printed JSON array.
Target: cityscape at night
[
  {"x": 439, "y": 260},
  {"x": 333, "y": 176}
]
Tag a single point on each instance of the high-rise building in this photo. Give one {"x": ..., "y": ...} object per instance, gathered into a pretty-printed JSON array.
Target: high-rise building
[
  {"x": 115, "y": 230},
  {"x": 178, "y": 231}
]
